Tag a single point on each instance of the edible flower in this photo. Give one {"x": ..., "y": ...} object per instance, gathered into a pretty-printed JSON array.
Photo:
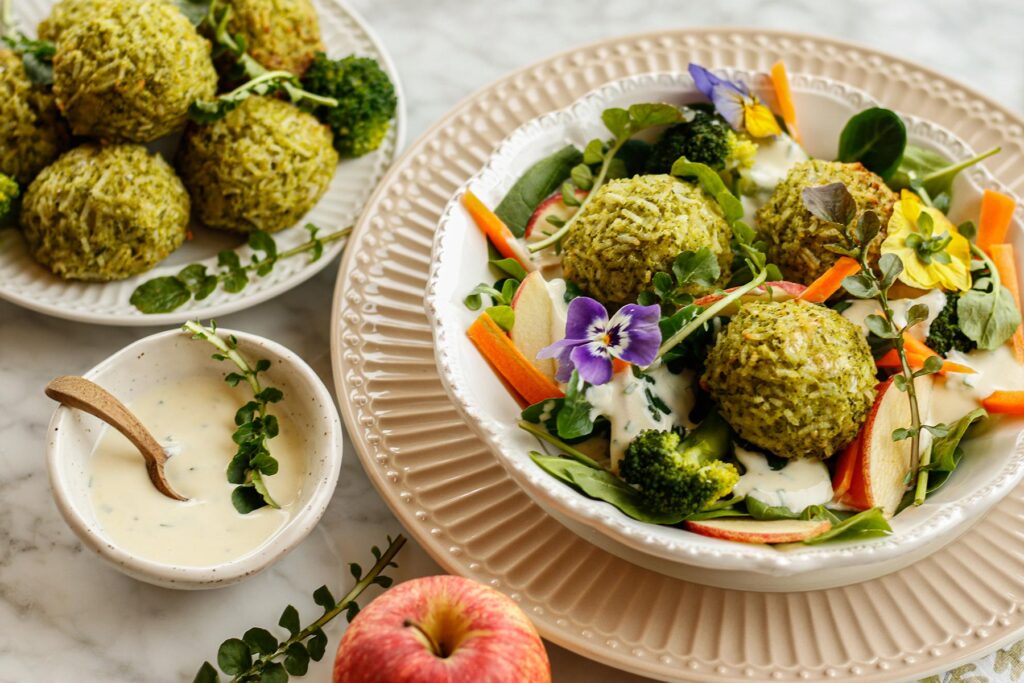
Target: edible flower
[
  {"x": 736, "y": 104},
  {"x": 592, "y": 339},
  {"x": 933, "y": 252}
]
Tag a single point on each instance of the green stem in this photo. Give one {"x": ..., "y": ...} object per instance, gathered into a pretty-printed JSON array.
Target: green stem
[
  {"x": 232, "y": 354},
  {"x": 360, "y": 586},
  {"x": 556, "y": 237},
  {"x": 956, "y": 168},
  {"x": 306, "y": 246},
  {"x": 711, "y": 311},
  {"x": 545, "y": 435}
]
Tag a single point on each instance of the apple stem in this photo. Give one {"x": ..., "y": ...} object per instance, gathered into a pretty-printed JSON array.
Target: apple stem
[{"x": 435, "y": 646}]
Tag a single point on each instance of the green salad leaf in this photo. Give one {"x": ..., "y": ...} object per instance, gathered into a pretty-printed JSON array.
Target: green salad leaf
[
  {"x": 539, "y": 181},
  {"x": 876, "y": 137},
  {"x": 867, "y": 524}
]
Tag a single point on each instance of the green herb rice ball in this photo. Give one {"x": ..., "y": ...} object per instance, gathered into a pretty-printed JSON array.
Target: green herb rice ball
[
  {"x": 67, "y": 13},
  {"x": 32, "y": 132},
  {"x": 795, "y": 239},
  {"x": 131, "y": 70},
  {"x": 793, "y": 378},
  {"x": 635, "y": 227},
  {"x": 261, "y": 167},
  {"x": 104, "y": 212},
  {"x": 279, "y": 34}
]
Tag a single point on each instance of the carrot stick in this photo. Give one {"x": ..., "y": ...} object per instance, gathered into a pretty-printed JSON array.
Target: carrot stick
[
  {"x": 529, "y": 382},
  {"x": 495, "y": 230},
  {"x": 917, "y": 347},
  {"x": 843, "y": 476},
  {"x": 994, "y": 222},
  {"x": 830, "y": 281},
  {"x": 892, "y": 360},
  {"x": 1005, "y": 262},
  {"x": 780, "y": 80},
  {"x": 1004, "y": 402}
]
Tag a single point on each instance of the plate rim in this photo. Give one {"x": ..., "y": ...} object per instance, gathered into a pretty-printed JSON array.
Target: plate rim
[
  {"x": 418, "y": 529},
  {"x": 243, "y": 302}
]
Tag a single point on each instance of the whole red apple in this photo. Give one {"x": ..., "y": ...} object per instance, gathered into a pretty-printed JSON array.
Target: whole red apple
[{"x": 441, "y": 629}]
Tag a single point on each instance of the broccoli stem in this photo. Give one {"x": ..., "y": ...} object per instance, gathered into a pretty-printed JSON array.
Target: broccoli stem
[
  {"x": 543, "y": 434},
  {"x": 710, "y": 312}
]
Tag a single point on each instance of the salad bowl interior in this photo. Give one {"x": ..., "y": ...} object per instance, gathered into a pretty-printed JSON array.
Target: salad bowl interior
[{"x": 994, "y": 461}]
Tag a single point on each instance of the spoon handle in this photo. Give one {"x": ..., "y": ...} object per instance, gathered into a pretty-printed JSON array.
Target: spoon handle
[{"x": 87, "y": 396}]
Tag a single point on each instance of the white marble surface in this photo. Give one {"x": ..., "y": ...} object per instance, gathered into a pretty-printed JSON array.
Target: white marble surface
[{"x": 65, "y": 616}]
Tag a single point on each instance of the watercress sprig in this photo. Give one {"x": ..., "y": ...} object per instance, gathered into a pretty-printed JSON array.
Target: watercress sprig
[
  {"x": 259, "y": 657},
  {"x": 833, "y": 203},
  {"x": 623, "y": 125},
  {"x": 255, "y": 425},
  {"x": 169, "y": 292}
]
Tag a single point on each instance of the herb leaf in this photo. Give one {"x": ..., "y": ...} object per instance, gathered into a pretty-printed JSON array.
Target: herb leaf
[
  {"x": 876, "y": 137},
  {"x": 573, "y": 421},
  {"x": 988, "y": 318},
  {"x": 831, "y": 203}
]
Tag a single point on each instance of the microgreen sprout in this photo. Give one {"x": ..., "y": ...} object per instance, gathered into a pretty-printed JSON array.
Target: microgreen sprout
[
  {"x": 255, "y": 426},
  {"x": 258, "y": 656}
]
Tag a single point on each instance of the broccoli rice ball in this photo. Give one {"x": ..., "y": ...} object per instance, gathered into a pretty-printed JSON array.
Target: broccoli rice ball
[
  {"x": 261, "y": 167},
  {"x": 634, "y": 228},
  {"x": 795, "y": 239},
  {"x": 67, "y": 13},
  {"x": 793, "y": 378},
  {"x": 279, "y": 34},
  {"x": 32, "y": 132},
  {"x": 104, "y": 212},
  {"x": 130, "y": 71}
]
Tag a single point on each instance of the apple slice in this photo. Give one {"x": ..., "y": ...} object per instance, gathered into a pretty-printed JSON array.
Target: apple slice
[
  {"x": 532, "y": 329},
  {"x": 769, "y": 291},
  {"x": 883, "y": 464},
  {"x": 760, "y": 530},
  {"x": 552, "y": 206}
]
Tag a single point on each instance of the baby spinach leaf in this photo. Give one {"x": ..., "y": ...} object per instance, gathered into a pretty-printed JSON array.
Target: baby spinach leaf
[
  {"x": 988, "y": 318},
  {"x": 931, "y": 171},
  {"x": 867, "y": 524},
  {"x": 539, "y": 181},
  {"x": 601, "y": 485},
  {"x": 573, "y": 419},
  {"x": 945, "y": 448},
  {"x": 876, "y": 137},
  {"x": 712, "y": 183},
  {"x": 503, "y": 315}
]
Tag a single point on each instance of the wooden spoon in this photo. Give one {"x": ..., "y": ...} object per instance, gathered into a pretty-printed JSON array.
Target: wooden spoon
[{"x": 85, "y": 395}]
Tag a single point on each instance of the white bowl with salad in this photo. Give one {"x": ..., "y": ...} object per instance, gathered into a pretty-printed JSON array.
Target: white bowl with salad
[{"x": 749, "y": 329}]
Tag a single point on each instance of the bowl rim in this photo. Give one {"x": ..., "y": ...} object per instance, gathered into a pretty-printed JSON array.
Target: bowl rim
[
  {"x": 169, "y": 575},
  {"x": 668, "y": 542}
]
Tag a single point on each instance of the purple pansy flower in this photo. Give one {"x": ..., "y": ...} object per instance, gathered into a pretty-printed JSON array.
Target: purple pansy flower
[
  {"x": 735, "y": 103},
  {"x": 592, "y": 340}
]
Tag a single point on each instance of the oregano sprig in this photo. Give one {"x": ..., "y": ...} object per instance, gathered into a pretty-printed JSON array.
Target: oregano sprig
[
  {"x": 258, "y": 656},
  {"x": 255, "y": 426},
  {"x": 834, "y": 204},
  {"x": 169, "y": 292},
  {"x": 623, "y": 125}
]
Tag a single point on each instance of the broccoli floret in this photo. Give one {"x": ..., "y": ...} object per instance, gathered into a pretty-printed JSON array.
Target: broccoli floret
[
  {"x": 706, "y": 139},
  {"x": 9, "y": 192},
  {"x": 681, "y": 476},
  {"x": 366, "y": 101},
  {"x": 944, "y": 334}
]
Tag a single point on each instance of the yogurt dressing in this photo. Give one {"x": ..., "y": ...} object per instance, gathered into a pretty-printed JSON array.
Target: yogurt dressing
[
  {"x": 859, "y": 309},
  {"x": 625, "y": 402},
  {"x": 957, "y": 394},
  {"x": 196, "y": 415},
  {"x": 803, "y": 482},
  {"x": 774, "y": 158}
]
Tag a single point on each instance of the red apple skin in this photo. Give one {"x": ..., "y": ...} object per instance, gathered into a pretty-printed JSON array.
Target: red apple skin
[{"x": 487, "y": 637}]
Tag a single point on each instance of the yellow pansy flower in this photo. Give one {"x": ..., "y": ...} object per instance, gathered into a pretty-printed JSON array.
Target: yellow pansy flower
[{"x": 932, "y": 250}]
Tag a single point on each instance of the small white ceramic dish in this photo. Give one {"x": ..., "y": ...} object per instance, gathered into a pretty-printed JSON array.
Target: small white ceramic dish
[
  {"x": 26, "y": 283},
  {"x": 460, "y": 262},
  {"x": 163, "y": 358}
]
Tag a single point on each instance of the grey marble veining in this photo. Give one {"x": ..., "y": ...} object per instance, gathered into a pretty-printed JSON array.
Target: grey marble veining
[{"x": 65, "y": 616}]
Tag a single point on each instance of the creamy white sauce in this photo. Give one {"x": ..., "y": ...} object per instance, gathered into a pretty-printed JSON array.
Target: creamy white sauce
[
  {"x": 957, "y": 394},
  {"x": 625, "y": 403},
  {"x": 775, "y": 157},
  {"x": 803, "y": 482},
  {"x": 859, "y": 309},
  {"x": 197, "y": 416},
  {"x": 559, "y": 309}
]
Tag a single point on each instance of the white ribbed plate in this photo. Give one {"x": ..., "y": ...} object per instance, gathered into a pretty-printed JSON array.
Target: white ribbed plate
[
  {"x": 26, "y": 283},
  {"x": 457, "y": 500}
]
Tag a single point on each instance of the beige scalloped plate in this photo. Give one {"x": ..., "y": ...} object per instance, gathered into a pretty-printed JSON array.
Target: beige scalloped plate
[
  {"x": 457, "y": 500},
  {"x": 26, "y": 283}
]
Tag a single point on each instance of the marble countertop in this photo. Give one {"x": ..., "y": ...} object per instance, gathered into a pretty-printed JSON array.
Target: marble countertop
[{"x": 66, "y": 616}]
